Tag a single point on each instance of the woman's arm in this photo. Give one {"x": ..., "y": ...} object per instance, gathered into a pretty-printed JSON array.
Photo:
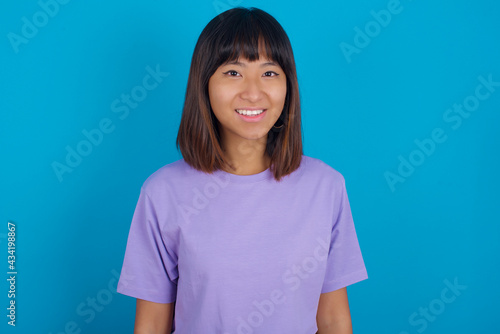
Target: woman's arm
[
  {"x": 153, "y": 318},
  {"x": 333, "y": 315}
]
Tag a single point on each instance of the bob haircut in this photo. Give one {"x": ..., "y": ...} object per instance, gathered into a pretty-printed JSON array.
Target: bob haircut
[{"x": 235, "y": 33}]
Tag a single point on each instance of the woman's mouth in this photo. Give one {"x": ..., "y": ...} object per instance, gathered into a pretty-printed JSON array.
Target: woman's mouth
[{"x": 251, "y": 115}]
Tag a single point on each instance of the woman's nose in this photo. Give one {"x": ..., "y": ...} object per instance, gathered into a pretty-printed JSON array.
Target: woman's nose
[{"x": 251, "y": 89}]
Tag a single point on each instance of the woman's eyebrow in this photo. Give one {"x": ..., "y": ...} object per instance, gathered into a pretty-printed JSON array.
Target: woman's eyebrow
[{"x": 235, "y": 62}]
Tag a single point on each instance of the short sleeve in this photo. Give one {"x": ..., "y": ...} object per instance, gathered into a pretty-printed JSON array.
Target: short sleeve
[
  {"x": 149, "y": 268},
  {"x": 345, "y": 265}
]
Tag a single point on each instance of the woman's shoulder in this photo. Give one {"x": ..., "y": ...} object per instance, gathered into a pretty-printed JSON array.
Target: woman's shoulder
[
  {"x": 166, "y": 176},
  {"x": 317, "y": 168}
]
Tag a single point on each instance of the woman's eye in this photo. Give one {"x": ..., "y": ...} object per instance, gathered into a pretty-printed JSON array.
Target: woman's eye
[
  {"x": 229, "y": 72},
  {"x": 233, "y": 73}
]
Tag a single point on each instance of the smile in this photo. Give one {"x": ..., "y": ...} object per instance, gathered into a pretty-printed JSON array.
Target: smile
[
  {"x": 249, "y": 112},
  {"x": 251, "y": 116}
]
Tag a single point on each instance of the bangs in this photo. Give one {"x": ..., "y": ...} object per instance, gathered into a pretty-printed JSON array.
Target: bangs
[{"x": 248, "y": 36}]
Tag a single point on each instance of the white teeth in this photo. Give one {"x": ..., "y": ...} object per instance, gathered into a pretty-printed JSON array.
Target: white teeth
[{"x": 249, "y": 112}]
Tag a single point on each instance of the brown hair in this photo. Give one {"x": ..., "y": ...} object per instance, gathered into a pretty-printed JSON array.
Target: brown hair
[{"x": 234, "y": 33}]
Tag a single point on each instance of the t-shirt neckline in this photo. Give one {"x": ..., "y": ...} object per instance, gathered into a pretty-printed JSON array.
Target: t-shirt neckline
[{"x": 264, "y": 175}]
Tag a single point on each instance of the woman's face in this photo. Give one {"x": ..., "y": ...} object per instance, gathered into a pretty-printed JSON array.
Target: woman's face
[{"x": 247, "y": 86}]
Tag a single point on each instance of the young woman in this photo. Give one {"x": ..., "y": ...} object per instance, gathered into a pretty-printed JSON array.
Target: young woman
[{"x": 245, "y": 234}]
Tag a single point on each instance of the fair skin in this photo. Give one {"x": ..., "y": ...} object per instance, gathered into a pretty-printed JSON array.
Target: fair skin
[{"x": 259, "y": 84}]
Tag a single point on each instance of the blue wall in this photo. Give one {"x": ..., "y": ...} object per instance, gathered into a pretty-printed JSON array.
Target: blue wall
[{"x": 381, "y": 99}]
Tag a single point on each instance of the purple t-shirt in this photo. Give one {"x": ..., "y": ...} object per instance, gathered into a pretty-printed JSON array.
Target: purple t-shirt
[{"x": 241, "y": 254}]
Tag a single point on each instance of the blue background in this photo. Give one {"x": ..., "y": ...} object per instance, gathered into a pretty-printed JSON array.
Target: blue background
[{"x": 360, "y": 114}]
